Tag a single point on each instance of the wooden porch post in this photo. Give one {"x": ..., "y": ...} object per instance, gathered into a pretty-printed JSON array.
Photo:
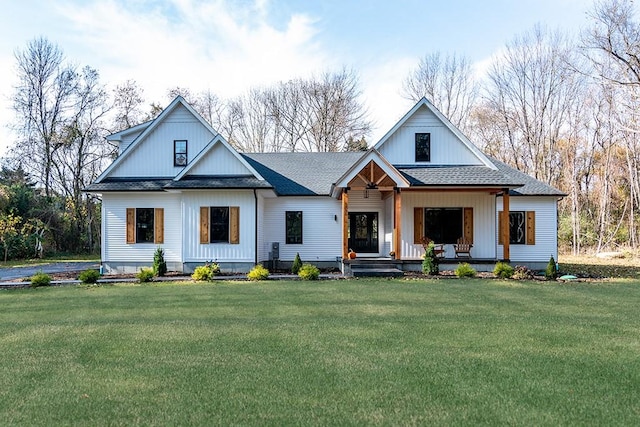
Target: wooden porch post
[
  {"x": 345, "y": 224},
  {"x": 505, "y": 224},
  {"x": 397, "y": 215}
]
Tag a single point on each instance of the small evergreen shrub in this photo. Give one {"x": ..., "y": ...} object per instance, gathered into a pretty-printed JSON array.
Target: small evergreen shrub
[
  {"x": 503, "y": 270},
  {"x": 89, "y": 276},
  {"x": 465, "y": 270},
  {"x": 430, "y": 261},
  {"x": 551, "y": 273},
  {"x": 258, "y": 273},
  {"x": 297, "y": 263},
  {"x": 40, "y": 279},
  {"x": 145, "y": 275},
  {"x": 159, "y": 264},
  {"x": 309, "y": 272},
  {"x": 522, "y": 272}
]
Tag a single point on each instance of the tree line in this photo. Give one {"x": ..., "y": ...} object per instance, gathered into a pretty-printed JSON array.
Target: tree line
[{"x": 558, "y": 107}]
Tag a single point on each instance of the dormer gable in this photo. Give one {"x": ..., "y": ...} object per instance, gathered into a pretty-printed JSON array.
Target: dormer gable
[
  {"x": 425, "y": 137},
  {"x": 164, "y": 147}
]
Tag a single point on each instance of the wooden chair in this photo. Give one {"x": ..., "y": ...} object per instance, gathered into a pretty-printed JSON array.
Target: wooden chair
[
  {"x": 438, "y": 248},
  {"x": 463, "y": 248}
]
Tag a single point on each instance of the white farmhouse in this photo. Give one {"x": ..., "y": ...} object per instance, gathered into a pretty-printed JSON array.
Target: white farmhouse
[{"x": 178, "y": 184}]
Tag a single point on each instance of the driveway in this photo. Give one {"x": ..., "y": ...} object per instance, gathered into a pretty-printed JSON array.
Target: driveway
[{"x": 13, "y": 273}]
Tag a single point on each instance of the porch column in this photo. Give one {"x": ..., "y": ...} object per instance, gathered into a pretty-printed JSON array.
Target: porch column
[
  {"x": 345, "y": 224},
  {"x": 397, "y": 215},
  {"x": 505, "y": 225}
]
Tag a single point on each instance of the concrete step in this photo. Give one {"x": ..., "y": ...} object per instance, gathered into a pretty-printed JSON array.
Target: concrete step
[{"x": 361, "y": 271}]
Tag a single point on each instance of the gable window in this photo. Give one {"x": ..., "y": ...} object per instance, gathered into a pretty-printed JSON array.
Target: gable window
[
  {"x": 294, "y": 227},
  {"x": 180, "y": 152},
  {"x": 220, "y": 224},
  {"x": 423, "y": 147},
  {"x": 145, "y": 225}
]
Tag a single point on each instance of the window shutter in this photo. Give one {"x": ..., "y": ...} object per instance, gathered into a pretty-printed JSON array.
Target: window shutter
[
  {"x": 158, "y": 225},
  {"x": 468, "y": 224},
  {"x": 234, "y": 225},
  {"x": 531, "y": 228},
  {"x": 131, "y": 225},
  {"x": 418, "y": 225},
  {"x": 204, "y": 224},
  {"x": 500, "y": 238}
]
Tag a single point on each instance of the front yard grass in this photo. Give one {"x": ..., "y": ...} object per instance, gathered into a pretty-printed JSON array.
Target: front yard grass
[{"x": 343, "y": 352}]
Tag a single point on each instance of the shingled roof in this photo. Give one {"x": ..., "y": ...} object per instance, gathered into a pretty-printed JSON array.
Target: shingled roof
[
  {"x": 531, "y": 187},
  {"x": 191, "y": 182},
  {"x": 446, "y": 176},
  {"x": 302, "y": 174}
]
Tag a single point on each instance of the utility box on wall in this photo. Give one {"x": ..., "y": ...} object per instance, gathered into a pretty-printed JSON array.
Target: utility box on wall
[{"x": 275, "y": 250}]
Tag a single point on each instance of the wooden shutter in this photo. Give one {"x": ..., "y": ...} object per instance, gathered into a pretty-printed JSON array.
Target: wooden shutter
[
  {"x": 468, "y": 224},
  {"x": 531, "y": 228},
  {"x": 234, "y": 225},
  {"x": 158, "y": 225},
  {"x": 131, "y": 225},
  {"x": 204, "y": 224},
  {"x": 418, "y": 225},
  {"x": 500, "y": 237}
]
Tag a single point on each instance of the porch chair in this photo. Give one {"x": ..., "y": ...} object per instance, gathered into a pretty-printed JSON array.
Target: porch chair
[
  {"x": 463, "y": 248},
  {"x": 438, "y": 248}
]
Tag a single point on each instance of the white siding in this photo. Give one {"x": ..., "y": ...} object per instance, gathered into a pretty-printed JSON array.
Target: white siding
[
  {"x": 194, "y": 251},
  {"x": 321, "y": 232},
  {"x": 446, "y": 148},
  {"x": 114, "y": 227},
  {"x": 219, "y": 161},
  {"x": 388, "y": 226},
  {"x": 153, "y": 157},
  {"x": 546, "y": 229},
  {"x": 484, "y": 223},
  {"x": 127, "y": 140}
]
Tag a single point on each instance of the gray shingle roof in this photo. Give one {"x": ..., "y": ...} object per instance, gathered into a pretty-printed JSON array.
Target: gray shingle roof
[
  {"x": 458, "y": 176},
  {"x": 191, "y": 182},
  {"x": 302, "y": 174},
  {"x": 532, "y": 187}
]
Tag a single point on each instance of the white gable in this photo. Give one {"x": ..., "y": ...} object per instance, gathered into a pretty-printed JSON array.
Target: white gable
[
  {"x": 219, "y": 161},
  {"x": 153, "y": 156},
  {"x": 448, "y": 146}
]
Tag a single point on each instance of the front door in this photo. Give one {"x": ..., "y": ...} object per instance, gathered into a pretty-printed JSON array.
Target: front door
[{"x": 363, "y": 232}]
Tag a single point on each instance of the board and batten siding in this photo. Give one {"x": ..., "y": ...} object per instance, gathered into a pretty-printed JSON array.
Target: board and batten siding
[
  {"x": 446, "y": 148},
  {"x": 114, "y": 227},
  {"x": 154, "y": 157},
  {"x": 484, "y": 224},
  {"x": 321, "y": 232},
  {"x": 127, "y": 140},
  {"x": 219, "y": 161},
  {"x": 194, "y": 251},
  {"x": 546, "y": 226}
]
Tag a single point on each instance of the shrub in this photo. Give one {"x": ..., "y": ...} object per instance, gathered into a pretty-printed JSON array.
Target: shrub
[
  {"x": 551, "y": 273},
  {"x": 297, "y": 263},
  {"x": 206, "y": 272},
  {"x": 89, "y": 276},
  {"x": 430, "y": 261},
  {"x": 159, "y": 264},
  {"x": 503, "y": 270},
  {"x": 309, "y": 272},
  {"x": 258, "y": 273},
  {"x": 40, "y": 279},
  {"x": 522, "y": 272},
  {"x": 465, "y": 270},
  {"x": 145, "y": 275}
]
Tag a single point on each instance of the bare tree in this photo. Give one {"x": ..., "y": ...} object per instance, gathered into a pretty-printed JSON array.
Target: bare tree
[
  {"x": 42, "y": 99},
  {"x": 448, "y": 82},
  {"x": 127, "y": 102}
]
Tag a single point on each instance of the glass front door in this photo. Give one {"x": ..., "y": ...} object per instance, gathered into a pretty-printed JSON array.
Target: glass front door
[{"x": 363, "y": 232}]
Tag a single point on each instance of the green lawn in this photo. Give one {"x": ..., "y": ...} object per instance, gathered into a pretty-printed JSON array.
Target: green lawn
[{"x": 343, "y": 352}]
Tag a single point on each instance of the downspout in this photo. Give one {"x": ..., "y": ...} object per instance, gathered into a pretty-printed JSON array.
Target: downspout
[{"x": 255, "y": 234}]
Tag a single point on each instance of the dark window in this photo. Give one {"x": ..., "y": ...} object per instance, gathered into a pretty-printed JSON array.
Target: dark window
[
  {"x": 144, "y": 225},
  {"x": 517, "y": 227},
  {"x": 294, "y": 227},
  {"x": 180, "y": 153},
  {"x": 443, "y": 225},
  {"x": 423, "y": 147},
  {"x": 219, "y": 225}
]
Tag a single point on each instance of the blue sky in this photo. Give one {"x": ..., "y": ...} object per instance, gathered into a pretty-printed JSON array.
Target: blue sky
[{"x": 229, "y": 46}]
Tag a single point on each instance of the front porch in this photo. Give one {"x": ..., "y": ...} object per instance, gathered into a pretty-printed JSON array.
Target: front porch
[{"x": 385, "y": 266}]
